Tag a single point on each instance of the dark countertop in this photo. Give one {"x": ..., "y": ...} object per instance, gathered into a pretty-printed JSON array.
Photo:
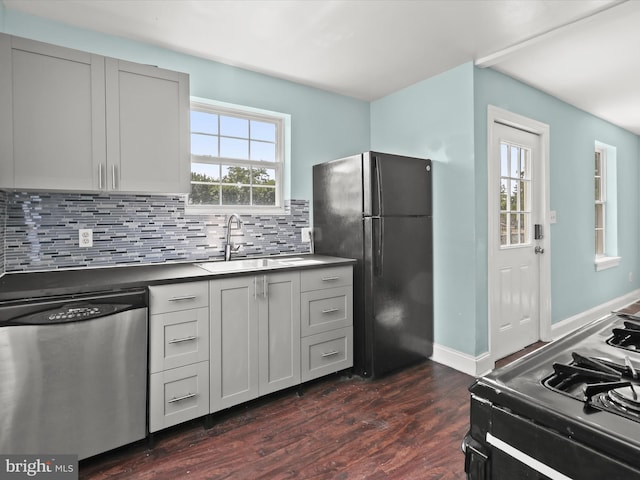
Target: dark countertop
[{"x": 26, "y": 285}]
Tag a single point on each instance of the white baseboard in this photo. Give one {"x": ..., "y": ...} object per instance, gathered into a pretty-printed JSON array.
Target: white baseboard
[
  {"x": 462, "y": 362},
  {"x": 477, "y": 366},
  {"x": 568, "y": 325}
]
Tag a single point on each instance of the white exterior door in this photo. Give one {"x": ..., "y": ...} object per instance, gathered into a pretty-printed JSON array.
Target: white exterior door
[{"x": 515, "y": 207}]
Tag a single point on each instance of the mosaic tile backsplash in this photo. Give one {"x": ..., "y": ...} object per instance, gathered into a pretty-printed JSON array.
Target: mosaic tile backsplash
[
  {"x": 40, "y": 231},
  {"x": 3, "y": 210}
]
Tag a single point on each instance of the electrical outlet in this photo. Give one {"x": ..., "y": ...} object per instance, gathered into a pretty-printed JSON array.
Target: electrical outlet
[
  {"x": 630, "y": 277},
  {"x": 306, "y": 235},
  {"x": 85, "y": 237}
]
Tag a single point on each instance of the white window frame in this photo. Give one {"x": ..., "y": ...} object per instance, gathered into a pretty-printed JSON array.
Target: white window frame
[
  {"x": 281, "y": 165},
  {"x": 608, "y": 258},
  {"x": 602, "y": 200}
]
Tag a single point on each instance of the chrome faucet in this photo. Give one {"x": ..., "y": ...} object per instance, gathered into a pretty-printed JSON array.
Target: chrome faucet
[{"x": 228, "y": 246}]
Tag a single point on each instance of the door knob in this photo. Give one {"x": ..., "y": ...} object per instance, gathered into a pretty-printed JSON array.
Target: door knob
[{"x": 539, "y": 250}]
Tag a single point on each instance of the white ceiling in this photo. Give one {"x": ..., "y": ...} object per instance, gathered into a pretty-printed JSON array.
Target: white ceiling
[{"x": 580, "y": 51}]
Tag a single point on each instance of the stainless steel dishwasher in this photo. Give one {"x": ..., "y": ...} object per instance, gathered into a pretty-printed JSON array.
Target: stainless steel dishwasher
[{"x": 73, "y": 373}]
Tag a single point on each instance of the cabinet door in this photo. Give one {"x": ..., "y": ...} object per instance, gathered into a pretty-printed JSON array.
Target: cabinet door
[
  {"x": 147, "y": 128},
  {"x": 234, "y": 341},
  {"x": 279, "y": 302},
  {"x": 52, "y": 119}
]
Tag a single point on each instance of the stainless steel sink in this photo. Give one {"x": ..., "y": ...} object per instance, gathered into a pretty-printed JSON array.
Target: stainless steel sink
[{"x": 244, "y": 265}]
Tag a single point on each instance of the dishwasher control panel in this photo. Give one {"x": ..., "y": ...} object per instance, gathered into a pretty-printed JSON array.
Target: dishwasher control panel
[{"x": 71, "y": 313}]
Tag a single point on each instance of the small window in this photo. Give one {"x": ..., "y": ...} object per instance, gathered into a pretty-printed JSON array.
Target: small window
[
  {"x": 606, "y": 207},
  {"x": 236, "y": 160},
  {"x": 600, "y": 196}
]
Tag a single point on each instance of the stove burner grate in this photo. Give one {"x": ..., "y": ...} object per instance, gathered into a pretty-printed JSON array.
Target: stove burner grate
[
  {"x": 627, "y": 337},
  {"x": 599, "y": 383}
]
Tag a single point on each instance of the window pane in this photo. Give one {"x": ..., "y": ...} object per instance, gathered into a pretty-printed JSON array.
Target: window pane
[
  {"x": 263, "y": 151},
  {"x": 263, "y": 131},
  {"x": 599, "y": 215},
  {"x": 598, "y": 164},
  {"x": 514, "y": 162},
  {"x": 524, "y": 228},
  {"x": 599, "y": 242},
  {"x": 514, "y": 197},
  {"x": 523, "y": 196},
  {"x": 205, "y": 172},
  {"x": 597, "y": 188},
  {"x": 264, "y": 196},
  {"x": 234, "y": 148},
  {"x": 204, "y": 122},
  {"x": 206, "y": 145},
  {"x": 202, "y": 194},
  {"x": 503, "y": 229},
  {"x": 513, "y": 228},
  {"x": 504, "y": 160},
  {"x": 234, "y": 126},
  {"x": 264, "y": 176},
  {"x": 233, "y": 195},
  {"x": 504, "y": 188},
  {"x": 236, "y": 175},
  {"x": 525, "y": 154}
]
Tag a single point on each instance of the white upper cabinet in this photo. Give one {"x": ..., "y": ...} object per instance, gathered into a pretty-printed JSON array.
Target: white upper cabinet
[
  {"x": 74, "y": 121},
  {"x": 147, "y": 128},
  {"x": 51, "y": 117}
]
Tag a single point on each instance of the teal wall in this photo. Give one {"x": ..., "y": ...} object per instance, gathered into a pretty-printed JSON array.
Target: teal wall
[
  {"x": 324, "y": 125},
  {"x": 445, "y": 118},
  {"x": 575, "y": 285},
  {"x": 435, "y": 119}
]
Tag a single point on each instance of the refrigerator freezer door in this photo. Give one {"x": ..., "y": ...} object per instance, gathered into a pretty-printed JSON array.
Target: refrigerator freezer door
[
  {"x": 396, "y": 185},
  {"x": 337, "y": 207},
  {"x": 397, "y": 326}
]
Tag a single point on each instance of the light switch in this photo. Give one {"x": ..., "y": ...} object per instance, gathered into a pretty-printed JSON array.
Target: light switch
[{"x": 552, "y": 216}]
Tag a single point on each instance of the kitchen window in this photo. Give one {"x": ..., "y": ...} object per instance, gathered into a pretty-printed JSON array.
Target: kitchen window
[
  {"x": 237, "y": 159},
  {"x": 605, "y": 214}
]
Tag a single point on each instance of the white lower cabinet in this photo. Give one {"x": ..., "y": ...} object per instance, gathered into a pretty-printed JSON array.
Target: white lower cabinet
[
  {"x": 219, "y": 343},
  {"x": 327, "y": 321},
  {"x": 255, "y": 336},
  {"x": 178, "y": 353}
]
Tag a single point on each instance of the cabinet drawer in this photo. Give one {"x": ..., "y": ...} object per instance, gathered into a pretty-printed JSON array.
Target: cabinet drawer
[
  {"x": 178, "y": 296},
  {"x": 178, "y": 339},
  {"x": 319, "y": 278},
  {"x": 178, "y": 395},
  {"x": 324, "y": 310},
  {"x": 325, "y": 353}
]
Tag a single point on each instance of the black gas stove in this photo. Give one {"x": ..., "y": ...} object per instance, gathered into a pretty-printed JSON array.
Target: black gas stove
[{"x": 570, "y": 410}]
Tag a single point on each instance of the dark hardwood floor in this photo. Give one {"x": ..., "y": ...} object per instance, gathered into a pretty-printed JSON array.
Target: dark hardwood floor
[{"x": 405, "y": 426}]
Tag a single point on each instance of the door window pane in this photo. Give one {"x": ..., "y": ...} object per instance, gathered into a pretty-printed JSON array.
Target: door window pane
[{"x": 515, "y": 195}]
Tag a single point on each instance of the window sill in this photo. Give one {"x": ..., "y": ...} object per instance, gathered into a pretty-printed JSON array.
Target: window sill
[
  {"x": 604, "y": 262},
  {"x": 240, "y": 210}
]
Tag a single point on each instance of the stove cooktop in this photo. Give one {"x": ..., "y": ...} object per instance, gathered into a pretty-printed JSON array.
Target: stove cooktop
[{"x": 584, "y": 385}]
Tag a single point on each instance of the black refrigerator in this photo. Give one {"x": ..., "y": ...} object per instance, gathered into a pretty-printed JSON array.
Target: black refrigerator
[{"x": 376, "y": 208}]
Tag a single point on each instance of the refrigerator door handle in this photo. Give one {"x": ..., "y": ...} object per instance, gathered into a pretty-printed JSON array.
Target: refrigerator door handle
[
  {"x": 378, "y": 240},
  {"x": 378, "y": 180}
]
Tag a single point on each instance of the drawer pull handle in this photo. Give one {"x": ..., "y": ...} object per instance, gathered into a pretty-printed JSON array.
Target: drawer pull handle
[
  {"x": 330, "y": 354},
  {"x": 330, "y": 279},
  {"x": 185, "y": 297},
  {"x": 330, "y": 310},
  {"x": 183, "y": 339},
  {"x": 184, "y": 397}
]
